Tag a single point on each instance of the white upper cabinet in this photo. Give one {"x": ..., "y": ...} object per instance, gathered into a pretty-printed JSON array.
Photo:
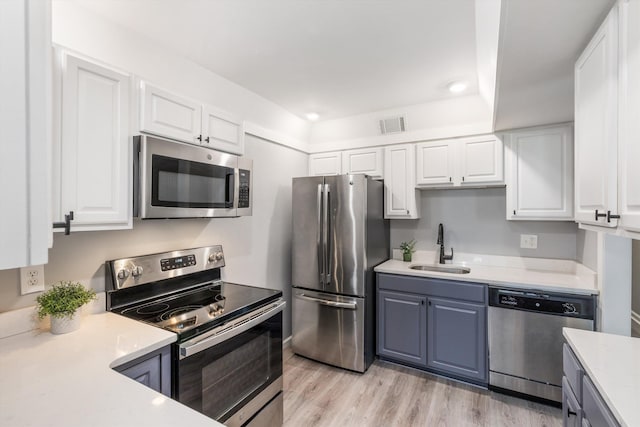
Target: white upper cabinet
[
  {"x": 436, "y": 163},
  {"x": 166, "y": 114},
  {"x": 222, "y": 131},
  {"x": 93, "y": 154},
  {"x": 596, "y": 126},
  {"x": 481, "y": 160},
  {"x": 25, "y": 126},
  {"x": 539, "y": 173},
  {"x": 325, "y": 163},
  {"x": 401, "y": 196},
  {"x": 629, "y": 144},
  {"x": 366, "y": 161},
  {"x": 464, "y": 162}
]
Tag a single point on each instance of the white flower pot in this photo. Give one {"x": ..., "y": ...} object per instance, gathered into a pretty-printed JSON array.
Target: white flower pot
[{"x": 63, "y": 325}]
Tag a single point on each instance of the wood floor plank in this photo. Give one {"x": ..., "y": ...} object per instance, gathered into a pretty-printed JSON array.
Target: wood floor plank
[{"x": 318, "y": 395}]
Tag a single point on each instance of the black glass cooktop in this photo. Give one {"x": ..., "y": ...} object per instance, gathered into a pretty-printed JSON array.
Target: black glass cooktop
[{"x": 195, "y": 311}]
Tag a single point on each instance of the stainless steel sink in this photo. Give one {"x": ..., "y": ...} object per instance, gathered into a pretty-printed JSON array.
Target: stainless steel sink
[{"x": 439, "y": 269}]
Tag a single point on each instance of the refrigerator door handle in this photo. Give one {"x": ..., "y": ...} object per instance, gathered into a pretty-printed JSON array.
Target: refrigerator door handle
[
  {"x": 346, "y": 305},
  {"x": 319, "y": 243},
  {"x": 325, "y": 235}
]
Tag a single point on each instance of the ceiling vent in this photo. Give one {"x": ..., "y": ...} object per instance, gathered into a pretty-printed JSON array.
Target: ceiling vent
[{"x": 392, "y": 125}]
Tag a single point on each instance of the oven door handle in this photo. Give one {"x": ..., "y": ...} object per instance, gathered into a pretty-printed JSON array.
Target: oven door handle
[{"x": 230, "y": 330}]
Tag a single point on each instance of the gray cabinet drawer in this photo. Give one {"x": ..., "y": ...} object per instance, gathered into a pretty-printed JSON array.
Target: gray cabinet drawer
[
  {"x": 452, "y": 289},
  {"x": 571, "y": 410},
  {"x": 594, "y": 408},
  {"x": 572, "y": 371}
]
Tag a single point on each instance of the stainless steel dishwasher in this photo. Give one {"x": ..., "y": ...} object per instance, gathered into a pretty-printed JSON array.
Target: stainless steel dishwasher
[{"x": 525, "y": 338}]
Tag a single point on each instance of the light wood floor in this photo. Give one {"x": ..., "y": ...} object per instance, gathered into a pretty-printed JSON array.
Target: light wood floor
[{"x": 389, "y": 395}]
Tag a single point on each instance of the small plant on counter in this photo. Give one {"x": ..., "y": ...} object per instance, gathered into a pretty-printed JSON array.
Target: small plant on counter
[
  {"x": 407, "y": 249},
  {"x": 61, "y": 302}
]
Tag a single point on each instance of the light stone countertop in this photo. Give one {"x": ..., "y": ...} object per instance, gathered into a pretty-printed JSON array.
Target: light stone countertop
[
  {"x": 612, "y": 362},
  {"x": 67, "y": 380},
  {"x": 526, "y": 273}
]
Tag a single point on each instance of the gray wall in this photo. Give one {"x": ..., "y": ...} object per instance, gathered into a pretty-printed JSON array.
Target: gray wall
[
  {"x": 475, "y": 221},
  {"x": 257, "y": 248},
  {"x": 587, "y": 248}
]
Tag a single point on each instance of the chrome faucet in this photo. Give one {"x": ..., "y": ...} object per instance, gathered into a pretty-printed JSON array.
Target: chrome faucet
[{"x": 440, "y": 242}]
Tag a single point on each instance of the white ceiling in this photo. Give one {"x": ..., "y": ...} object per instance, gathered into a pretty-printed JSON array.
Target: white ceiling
[
  {"x": 345, "y": 57},
  {"x": 334, "y": 57}
]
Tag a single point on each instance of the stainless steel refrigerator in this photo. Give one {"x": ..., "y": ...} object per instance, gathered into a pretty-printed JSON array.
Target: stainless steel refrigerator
[{"x": 339, "y": 236}]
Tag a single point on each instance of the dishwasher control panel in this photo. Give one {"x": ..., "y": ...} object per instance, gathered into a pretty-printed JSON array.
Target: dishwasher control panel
[{"x": 549, "y": 303}]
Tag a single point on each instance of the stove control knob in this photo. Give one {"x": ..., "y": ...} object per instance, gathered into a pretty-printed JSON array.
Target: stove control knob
[
  {"x": 123, "y": 274},
  {"x": 215, "y": 257},
  {"x": 137, "y": 271}
]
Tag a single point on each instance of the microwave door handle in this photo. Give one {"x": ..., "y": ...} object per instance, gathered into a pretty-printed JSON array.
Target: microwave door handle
[
  {"x": 236, "y": 187},
  {"x": 319, "y": 246},
  {"x": 328, "y": 232}
]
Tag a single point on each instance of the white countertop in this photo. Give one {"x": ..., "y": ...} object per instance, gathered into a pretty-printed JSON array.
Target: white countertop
[
  {"x": 525, "y": 273},
  {"x": 612, "y": 362},
  {"x": 67, "y": 380}
]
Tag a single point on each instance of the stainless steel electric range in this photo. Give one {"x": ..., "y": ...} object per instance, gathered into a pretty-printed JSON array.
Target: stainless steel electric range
[{"x": 227, "y": 361}]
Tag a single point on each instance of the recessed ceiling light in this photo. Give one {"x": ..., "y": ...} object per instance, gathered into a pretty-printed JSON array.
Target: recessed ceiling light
[
  {"x": 313, "y": 116},
  {"x": 457, "y": 87}
]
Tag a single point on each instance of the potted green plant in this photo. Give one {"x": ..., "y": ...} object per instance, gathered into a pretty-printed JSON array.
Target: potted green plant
[
  {"x": 407, "y": 249},
  {"x": 61, "y": 303}
]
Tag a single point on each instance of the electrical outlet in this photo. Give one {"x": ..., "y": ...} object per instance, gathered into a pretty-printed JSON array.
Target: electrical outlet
[
  {"x": 529, "y": 241},
  {"x": 31, "y": 279}
]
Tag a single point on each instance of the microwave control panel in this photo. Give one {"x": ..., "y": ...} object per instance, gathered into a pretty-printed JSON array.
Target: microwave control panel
[{"x": 243, "y": 193}]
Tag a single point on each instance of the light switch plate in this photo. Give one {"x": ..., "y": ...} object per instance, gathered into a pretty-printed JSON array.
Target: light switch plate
[
  {"x": 31, "y": 279},
  {"x": 529, "y": 241}
]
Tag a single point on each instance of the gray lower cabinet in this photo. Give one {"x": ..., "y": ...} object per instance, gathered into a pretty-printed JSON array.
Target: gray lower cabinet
[
  {"x": 582, "y": 405},
  {"x": 457, "y": 334},
  {"x": 402, "y": 327},
  {"x": 434, "y": 324},
  {"x": 152, "y": 370}
]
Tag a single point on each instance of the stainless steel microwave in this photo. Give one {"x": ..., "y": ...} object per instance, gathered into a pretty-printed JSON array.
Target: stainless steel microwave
[{"x": 177, "y": 180}]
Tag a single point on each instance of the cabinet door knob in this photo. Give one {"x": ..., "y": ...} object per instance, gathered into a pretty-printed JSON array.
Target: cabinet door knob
[
  {"x": 514, "y": 211},
  {"x": 206, "y": 140},
  {"x": 570, "y": 413},
  {"x": 449, "y": 179},
  {"x": 199, "y": 138},
  {"x": 610, "y": 217},
  {"x": 600, "y": 215}
]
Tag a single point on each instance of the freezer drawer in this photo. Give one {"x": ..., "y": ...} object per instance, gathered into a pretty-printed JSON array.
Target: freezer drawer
[{"x": 329, "y": 328}]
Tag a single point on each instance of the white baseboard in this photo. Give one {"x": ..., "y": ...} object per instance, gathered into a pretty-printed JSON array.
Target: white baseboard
[
  {"x": 635, "y": 324},
  {"x": 286, "y": 343}
]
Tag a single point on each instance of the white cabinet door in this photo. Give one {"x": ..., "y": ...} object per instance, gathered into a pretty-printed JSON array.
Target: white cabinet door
[
  {"x": 629, "y": 143},
  {"x": 436, "y": 163},
  {"x": 596, "y": 126},
  {"x": 325, "y": 164},
  {"x": 367, "y": 161},
  {"x": 400, "y": 193},
  {"x": 222, "y": 131},
  {"x": 95, "y": 159},
  {"x": 481, "y": 160},
  {"x": 25, "y": 130},
  {"x": 539, "y": 164},
  {"x": 165, "y": 114}
]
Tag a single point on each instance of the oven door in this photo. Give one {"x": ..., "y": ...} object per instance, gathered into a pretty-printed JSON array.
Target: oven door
[
  {"x": 238, "y": 380},
  {"x": 182, "y": 181}
]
